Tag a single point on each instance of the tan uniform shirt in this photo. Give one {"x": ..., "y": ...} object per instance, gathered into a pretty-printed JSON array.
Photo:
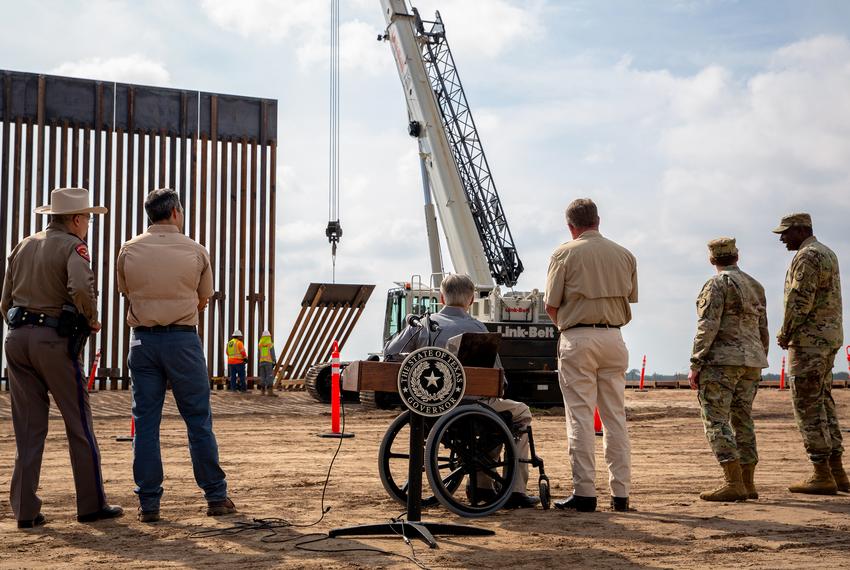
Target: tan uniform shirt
[
  {"x": 732, "y": 322},
  {"x": 813, "y": 311},
  {"x": 163, "y": 273},
  {"x": 591, "y": 280},
  {"x": 47, "y": 270}
]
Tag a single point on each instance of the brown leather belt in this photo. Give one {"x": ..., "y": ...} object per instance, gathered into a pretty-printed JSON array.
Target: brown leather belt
[{"x": 593, "y": 326}]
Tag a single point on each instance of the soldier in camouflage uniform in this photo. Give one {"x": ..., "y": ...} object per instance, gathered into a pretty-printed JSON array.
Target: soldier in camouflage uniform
[
  {"x": 812, "y": 332},
  {"x": 730, "y": 349}
]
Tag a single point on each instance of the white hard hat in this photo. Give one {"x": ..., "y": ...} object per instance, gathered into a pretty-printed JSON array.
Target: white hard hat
[
  {"x": 266, "y": 333},
  {"x": 237, "y": 332}
]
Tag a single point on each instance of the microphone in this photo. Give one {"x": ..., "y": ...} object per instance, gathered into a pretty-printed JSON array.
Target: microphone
[{"x": 413, "y": 320}]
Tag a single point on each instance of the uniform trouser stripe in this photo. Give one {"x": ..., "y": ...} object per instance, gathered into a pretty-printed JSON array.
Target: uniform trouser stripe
[{"x": 84, "y": 419}]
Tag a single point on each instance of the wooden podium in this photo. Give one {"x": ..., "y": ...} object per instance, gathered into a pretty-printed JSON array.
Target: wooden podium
[{"x": 383, "y": 377}]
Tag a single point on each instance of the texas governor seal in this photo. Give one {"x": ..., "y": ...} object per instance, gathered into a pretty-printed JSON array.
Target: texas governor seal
[{"x": 431, "y": 381}]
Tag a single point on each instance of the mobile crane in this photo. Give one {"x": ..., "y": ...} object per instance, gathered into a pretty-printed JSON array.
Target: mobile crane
[{"x": 456, "y": 173}]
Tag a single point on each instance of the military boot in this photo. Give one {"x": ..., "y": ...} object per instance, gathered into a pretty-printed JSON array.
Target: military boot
[
  {"x": 747, "y": 472},
  {"x": 262, "y": 390},
  {"x": 838, "y": 473},
  {"x": 270, "y": 392},
  {"x": 733, "y": 490},
  {"x": 820, "y": 482}
]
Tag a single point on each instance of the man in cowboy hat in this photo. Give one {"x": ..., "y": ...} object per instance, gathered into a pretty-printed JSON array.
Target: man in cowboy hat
[
  {"x": 812, "y": 333},
  {"x": 49, "y": 287}
]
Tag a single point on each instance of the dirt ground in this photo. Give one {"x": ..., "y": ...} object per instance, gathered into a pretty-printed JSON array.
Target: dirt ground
[{"x": 276, "y": 468}]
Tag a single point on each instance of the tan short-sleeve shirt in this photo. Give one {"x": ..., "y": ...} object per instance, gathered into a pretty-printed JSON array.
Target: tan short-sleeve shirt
[
  {"x": 163, "y": 273},
  {"x": 591, "y": 280}
]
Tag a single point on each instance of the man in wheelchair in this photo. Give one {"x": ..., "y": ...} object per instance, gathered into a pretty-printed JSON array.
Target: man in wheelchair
[{"x": 457, "y": 292}]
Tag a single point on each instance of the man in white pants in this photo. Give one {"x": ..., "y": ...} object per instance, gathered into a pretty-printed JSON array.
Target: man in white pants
[{"x": 590, "y": 283}]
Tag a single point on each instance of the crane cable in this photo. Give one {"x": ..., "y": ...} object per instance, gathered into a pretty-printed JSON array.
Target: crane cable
[{"x": 334, "y": 229}]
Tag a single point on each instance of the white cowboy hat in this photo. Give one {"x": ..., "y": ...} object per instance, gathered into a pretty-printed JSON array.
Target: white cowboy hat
[{"x": 70, "y": 201}]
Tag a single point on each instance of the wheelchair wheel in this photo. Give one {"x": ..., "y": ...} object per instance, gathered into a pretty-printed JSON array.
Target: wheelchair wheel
[
  {"x": 545, "y": 495},
  {"x": 394, "y": 460},
  {"x": 480, "y": 444}
]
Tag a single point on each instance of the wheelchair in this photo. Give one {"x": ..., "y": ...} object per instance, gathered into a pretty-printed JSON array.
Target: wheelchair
[{"x": 470, "y": 444}]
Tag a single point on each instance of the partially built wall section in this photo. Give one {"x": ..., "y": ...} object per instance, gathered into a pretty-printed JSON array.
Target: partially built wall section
[{"x": 121, "y": 141}]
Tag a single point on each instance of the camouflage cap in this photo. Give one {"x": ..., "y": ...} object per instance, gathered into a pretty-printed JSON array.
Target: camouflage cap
[
  {"x": 791, "y": 220},
  {"x": 722, "y": 246}
]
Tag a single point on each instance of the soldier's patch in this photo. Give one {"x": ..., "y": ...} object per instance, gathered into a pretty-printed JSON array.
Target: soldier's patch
[
  {"x": 83, "y": 251},
  {"x": 702, "y": 302}
]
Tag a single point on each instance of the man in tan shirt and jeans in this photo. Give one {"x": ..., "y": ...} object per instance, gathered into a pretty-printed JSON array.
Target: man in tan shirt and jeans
[
  {"x": 167, "y": 279},
  {"x": 590, "y": 283}
]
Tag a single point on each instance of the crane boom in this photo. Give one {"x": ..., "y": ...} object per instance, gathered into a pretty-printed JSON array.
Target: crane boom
[{"x": 477, "y": 234}]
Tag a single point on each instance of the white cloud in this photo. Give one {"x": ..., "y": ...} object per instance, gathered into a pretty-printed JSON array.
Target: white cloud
[
  {"x": 486, "y": 28},
  {"x": 131, "y": 69},
  {"x": 267, "y": 19}
]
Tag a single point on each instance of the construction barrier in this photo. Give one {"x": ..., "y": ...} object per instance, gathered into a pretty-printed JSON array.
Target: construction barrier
[
  {"x": 642, "y": 374},
  {"x": 132, "y": 435},
  {"x": 335, "y": 395},
  {"x": 597, "y": 422},
  {"x": 782, "y": 374},
  {"x": 93, "y": 369}
]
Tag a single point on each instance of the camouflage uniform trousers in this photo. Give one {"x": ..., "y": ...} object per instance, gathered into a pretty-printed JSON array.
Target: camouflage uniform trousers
[
  {"x": 726, "y": 395},
  {"x": 814, "y": 408}
]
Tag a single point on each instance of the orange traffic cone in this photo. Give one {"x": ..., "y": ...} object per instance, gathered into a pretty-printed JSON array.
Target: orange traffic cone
[
  {"x": 132, "y": 435},
  {"x": 597, "y": 422}
]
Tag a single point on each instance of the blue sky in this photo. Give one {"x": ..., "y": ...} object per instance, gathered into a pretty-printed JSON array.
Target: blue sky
[{"x": 685, "y": 120}]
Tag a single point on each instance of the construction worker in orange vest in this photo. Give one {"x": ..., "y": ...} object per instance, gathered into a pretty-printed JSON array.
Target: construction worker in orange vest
[
  {"x": 265, "y": 349},
  {"x": 236, "y": 359}
]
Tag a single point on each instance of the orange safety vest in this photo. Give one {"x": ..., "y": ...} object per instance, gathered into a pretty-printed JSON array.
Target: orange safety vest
[
  {"x": 266, "y": 345},
  {"x": 236, "y": 351}
]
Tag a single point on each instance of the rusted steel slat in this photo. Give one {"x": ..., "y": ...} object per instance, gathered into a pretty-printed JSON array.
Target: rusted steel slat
[
  {"x": 314, "y": 320},
  {"x": 16, "y": 187},
  {"x": 75, "y": 156},
  {"x": 234, "y": 236},
  {"x": 252, "y": 248},
  {"x": 332, "y": 333},
  {"x": 263, "y": 217},
  {"x": 40, "y": 190},
  {"x": 243, "y": 228},
  {"x": 200, "y": 192},
  {"x": 63, "y": 154},
  {"x": 28, "y": 205},
  {"x": 108, "y": 321},
  {"x": 189, "y": 154},
  {"x": 319, "y": 340},
  {"x": 295, "y": 333},
  {"x": 358, "y": 306},
  {"x": 151, "y": 163},
  {"x": 84, "y": 133},
  {"x": 171, "y": 166},
  {"x": 117, "y": 316},
  {"x": 52, "y": 158},
  {"x": 96, "y": 251},
  {"x": 163, "y": 161},
  {"x": 218, "y": 334},
  {"x": 271, "y": 265},
  {"x": 131, "y": 205},
  {"x": 5, "y": 115},
  {"x": 179, "y": 182}
]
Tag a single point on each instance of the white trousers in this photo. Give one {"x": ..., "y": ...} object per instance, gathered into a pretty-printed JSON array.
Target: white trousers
[
  {"x": 521, "y": 416},
  {"x": 591, "y": 368}
]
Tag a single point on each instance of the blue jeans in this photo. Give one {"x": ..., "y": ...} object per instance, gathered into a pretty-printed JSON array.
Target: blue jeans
[
  {"x": 237, "y": 371},
  {"x": 155, "y": 358}
]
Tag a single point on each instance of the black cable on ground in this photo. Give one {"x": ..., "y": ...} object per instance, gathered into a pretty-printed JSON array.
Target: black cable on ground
[{"x": 271, "y": 525}]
